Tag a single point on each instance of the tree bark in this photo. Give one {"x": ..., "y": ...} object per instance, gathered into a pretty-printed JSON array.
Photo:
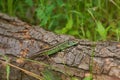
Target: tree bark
[{"x": 19, "y": 40}]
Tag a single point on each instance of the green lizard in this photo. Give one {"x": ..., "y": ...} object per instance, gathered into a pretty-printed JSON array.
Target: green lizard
[{"x": 54, "y": 49}]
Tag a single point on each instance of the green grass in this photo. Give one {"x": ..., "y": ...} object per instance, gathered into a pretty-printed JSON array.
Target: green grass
[
  {"x": 49, "y": 75},
  {"x": 7, "y": 66}
]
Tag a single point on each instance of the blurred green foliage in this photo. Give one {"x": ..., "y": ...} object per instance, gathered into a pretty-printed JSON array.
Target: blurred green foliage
[
  {"x": 50, "y": 75},
  {"x": 88, "y": 78},
  {"x": 7, "y": 66},
  {"x": 85, "y": 19}
]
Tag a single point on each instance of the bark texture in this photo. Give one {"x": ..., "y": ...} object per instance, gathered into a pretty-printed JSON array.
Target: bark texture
[{"x": 19, "y": 39}]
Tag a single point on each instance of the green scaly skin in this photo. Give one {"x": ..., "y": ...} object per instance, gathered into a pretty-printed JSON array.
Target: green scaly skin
[{"x": 54, "y": 49}]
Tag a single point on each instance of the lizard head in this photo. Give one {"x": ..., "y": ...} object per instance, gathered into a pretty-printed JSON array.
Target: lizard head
[{"x": 72, "y": 42}]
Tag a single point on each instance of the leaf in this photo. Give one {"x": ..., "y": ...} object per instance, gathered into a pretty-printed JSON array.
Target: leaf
[
  {"x": 88, "y": 78},
  {"x": 60, "y": 3},
  {"x": 68, "y": 25},
  {"x": 42, "y": 16},
  {"x": 49, "y": 10},
  {"x": 50, "y": 27},
  {"x": 101, "y": 30},
  {"x": 88, "y": 35},
  {"x": 73, "y": 32},
  {"x": 74, "y": 78},
  {"x": 77, "y": 12},
  {"x": 8, "y": 71},
  {"x": 48, "y": 75},
  {"x": 29, "y": 2}
]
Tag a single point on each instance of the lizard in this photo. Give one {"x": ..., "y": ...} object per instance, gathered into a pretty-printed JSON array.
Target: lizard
[
  {"x": 54, "y": 49},
  {"x": 50, "y": 51}
]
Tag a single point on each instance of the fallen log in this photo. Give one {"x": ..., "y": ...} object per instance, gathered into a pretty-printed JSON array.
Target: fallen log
[{"x": 18, "y": 40}]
